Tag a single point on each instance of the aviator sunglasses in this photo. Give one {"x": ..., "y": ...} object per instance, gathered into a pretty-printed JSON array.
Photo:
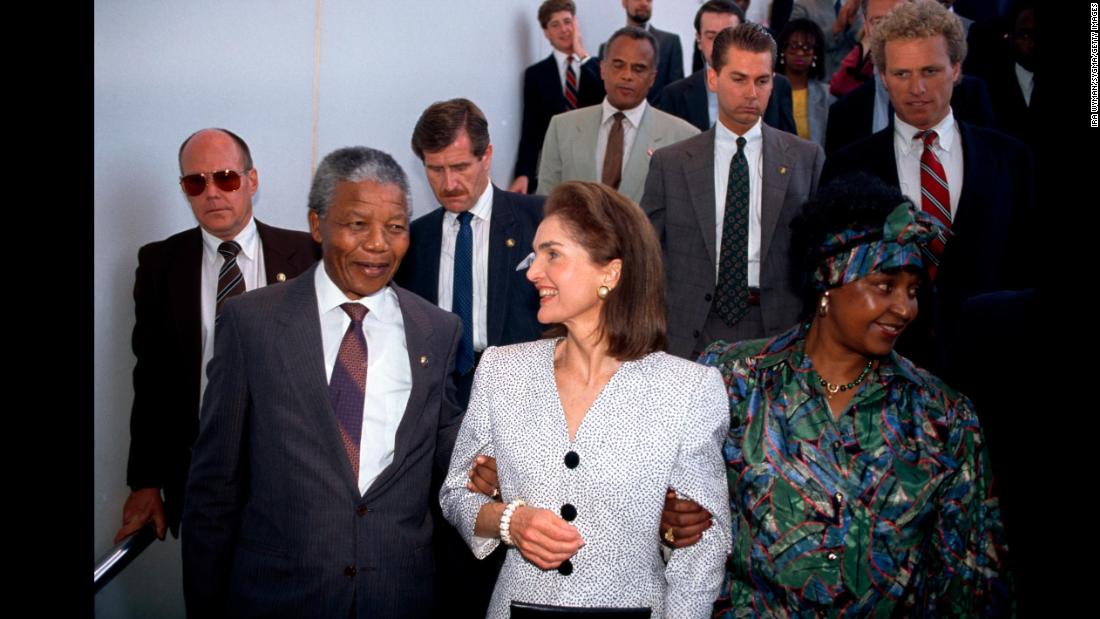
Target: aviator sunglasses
[{"x": 226, "y": 180}]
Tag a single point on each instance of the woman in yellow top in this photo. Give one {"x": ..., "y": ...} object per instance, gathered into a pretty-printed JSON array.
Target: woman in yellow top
[{"x": 802, "y": 60}]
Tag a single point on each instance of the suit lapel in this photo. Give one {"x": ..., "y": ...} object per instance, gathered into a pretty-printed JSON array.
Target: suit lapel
[
  {"x": 429, "y": 248},
  {"x": 637, "y": 160},
  {"x": 697, "y": 100},
  {"x": 699, "y": 175},
  {"x": 584, "y": 144},
  {"x": 776, "y": 174},
  {"x": 301, "y": 349},
  {"x": 186, "y": 299},
  {"x": 423, "y": 362},
  {"x": 502, "y": 258}
]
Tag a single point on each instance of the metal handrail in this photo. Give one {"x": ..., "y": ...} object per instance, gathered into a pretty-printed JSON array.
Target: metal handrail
[{"x": 109, "y": 565}]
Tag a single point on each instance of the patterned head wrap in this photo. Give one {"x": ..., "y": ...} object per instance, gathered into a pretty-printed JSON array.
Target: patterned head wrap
[{"x": 856, "y": 252}]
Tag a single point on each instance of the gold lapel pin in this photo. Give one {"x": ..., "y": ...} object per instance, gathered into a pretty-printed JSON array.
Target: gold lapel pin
[
  {"x": 782, "y": 170},
  {"x": 423, "y": 361},
  {"x": 510, "y": 242}
]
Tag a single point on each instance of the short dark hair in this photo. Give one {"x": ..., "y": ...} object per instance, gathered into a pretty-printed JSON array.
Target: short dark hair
[
  {"x": 441, "y": 123},
  {"x": 246, "y": 155},
  {"x": 354, "y": 164},
  {"x": 609, "y": 226},
  {"x": 853, "y": 200},
  {"x": 637, "y": 34},
  {"x": 748, "y": 37},
  {"x": 805, "y": 26},
  {"x": 724, "y": 7},
  {"x": 548, "y": 8}
]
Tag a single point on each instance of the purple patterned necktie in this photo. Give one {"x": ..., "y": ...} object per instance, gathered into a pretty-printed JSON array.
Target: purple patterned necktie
[{"x": 348, "y": 385}]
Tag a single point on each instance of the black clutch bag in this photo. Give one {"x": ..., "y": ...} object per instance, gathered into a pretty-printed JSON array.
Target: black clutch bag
[{"x": 524, "y": 610}]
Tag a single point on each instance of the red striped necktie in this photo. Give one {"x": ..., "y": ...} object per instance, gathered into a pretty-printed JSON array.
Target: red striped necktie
[{"x": 935, "y": 197}]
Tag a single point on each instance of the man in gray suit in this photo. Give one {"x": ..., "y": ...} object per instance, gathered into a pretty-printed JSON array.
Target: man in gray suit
[
  {"x": 722, "y": 201},
  {"x": 612, "y": 143},
  {"x": 329, "y": 407}
]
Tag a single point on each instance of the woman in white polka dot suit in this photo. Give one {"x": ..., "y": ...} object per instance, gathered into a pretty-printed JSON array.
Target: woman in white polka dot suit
[{"x": 591, "y": 427}]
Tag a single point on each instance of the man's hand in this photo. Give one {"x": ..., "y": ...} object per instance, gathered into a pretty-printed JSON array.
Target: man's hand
[
  {"x": 483, "y": 477},
  {"x": 519, "y": 185},
  {"x": 142, "y": 507},
  {"x": 846, "y": 16},
  {"x": 543, "y": 537},
  {"x": 578, "y": 43},
  {"x": 686, "y": 519}
]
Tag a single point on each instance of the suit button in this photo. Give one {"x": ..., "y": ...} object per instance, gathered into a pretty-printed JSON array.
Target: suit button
[
  {"x": 572, "y": 460},
  {"x": 695, "y": 333},
  {"x": 362, "y": 510},
  {"x": 566, "y": 568},
  {"x": 350, "y": 571},
  {"x": 568, "y": 512},
  {"x": 708, "y": 298}
]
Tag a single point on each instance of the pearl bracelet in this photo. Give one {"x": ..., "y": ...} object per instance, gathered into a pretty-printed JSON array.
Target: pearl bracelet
[{"x": 506, "y": 521}]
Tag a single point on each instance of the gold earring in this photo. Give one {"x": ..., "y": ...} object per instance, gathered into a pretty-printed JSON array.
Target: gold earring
[
  {"x": 602, "y": 292},
  {"x": 823, "y": 305}
]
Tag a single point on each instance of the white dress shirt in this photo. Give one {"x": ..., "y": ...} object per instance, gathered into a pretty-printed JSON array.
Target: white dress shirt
[
  {"x": 479, "y": 225},
  {"x": 633, "y": 118},
  {"x": 251, "y": 262},
  {"x": 1026, "y": 79},
  {"x": 948, "y": 148},
  {"x": 725, "y": 147},
  {"x": 578, "y": 62},
  {"x": 389, "y": 378}
]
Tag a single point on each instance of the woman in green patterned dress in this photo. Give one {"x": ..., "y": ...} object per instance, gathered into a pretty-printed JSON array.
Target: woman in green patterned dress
[{"x": 859, "y": 483}]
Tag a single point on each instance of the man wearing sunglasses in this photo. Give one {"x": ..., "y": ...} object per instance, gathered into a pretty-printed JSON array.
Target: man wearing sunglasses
[{"x": 181, "y": 284}]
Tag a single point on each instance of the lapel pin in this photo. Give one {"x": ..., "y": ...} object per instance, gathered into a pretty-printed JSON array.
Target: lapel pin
[
  {"x": 423, "y": 361},
  {"x": 649, "y": 152},
  {"x": 280, "y": 277},
  {"x": 782, "y": 170},
  {"x": 510, "y": 242}
]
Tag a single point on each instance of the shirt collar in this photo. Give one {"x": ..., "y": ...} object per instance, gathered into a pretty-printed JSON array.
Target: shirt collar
[
  {"x": 560, "y": 56},
  {"x": 248, "y": 238},
  {"x": 725, "y": 138},
  {"x": 634, "y": 115},
  {"x": 480, "y": 210},
  {"x": 383, "y": 304},
  {"x": 945, "y": 132}
]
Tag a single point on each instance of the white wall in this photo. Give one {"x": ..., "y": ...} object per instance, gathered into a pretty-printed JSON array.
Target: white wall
[{"x": 165, "y": 69}]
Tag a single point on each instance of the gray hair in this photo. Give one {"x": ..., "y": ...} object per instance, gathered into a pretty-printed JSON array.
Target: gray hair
[{"x": 355, "y": 164}]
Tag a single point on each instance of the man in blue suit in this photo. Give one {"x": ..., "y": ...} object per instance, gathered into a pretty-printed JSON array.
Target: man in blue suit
[
  {"x": 452, "y": 139},
  {"x": 500, "y": 306},
  {"x": 984, "y": 178}
]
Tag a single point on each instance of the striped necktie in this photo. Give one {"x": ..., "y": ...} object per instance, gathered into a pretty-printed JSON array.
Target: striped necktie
[
  {"x": 570, "y": 85},
  {"x": 935, "y": 197},
  {"x": 230, "y": 279}
]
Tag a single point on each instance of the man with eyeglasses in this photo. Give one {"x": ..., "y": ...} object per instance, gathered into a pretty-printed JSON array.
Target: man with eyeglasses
[{"x": 181, "y": 283}]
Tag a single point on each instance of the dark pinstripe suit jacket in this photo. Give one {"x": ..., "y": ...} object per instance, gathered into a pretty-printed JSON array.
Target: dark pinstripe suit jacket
[{"x": 273, "y": 522}]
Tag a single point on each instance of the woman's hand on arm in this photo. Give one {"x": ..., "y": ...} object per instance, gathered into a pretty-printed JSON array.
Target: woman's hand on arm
[{"x": 542, "y": 537}]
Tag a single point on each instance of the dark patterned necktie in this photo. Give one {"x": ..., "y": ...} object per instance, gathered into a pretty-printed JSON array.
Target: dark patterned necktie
[
  {"x": 732, "y": 296},
  {"x": 612, "y": 173},
  {"x": 570, "y": 85},
  {"x": 462, "y": 298},
  {"x": 230, "y": 279},
  {"x": 935, "y": 197},
  {"x": 348, "y": 385}
]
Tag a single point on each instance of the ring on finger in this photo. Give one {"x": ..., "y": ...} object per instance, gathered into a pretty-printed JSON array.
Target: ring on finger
[{"x": 669, "y": 537}]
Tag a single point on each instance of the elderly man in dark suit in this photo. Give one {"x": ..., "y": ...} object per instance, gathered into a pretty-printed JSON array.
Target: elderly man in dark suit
[
  {"x": 978, "y": 182},
  {"x": 179, "y": 286},
  {"x": 721, "y": 203},
  {"x": 330, "y": 405},
  {"x": 670, "y": 66},
  {"x": 566, "y": 80}
]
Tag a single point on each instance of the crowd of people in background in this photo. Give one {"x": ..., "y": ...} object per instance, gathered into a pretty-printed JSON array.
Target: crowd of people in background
[{"x": 709, "y": 354}]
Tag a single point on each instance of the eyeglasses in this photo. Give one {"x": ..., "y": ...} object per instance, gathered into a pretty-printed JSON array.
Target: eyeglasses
[{"x": 226, "y": 180}]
